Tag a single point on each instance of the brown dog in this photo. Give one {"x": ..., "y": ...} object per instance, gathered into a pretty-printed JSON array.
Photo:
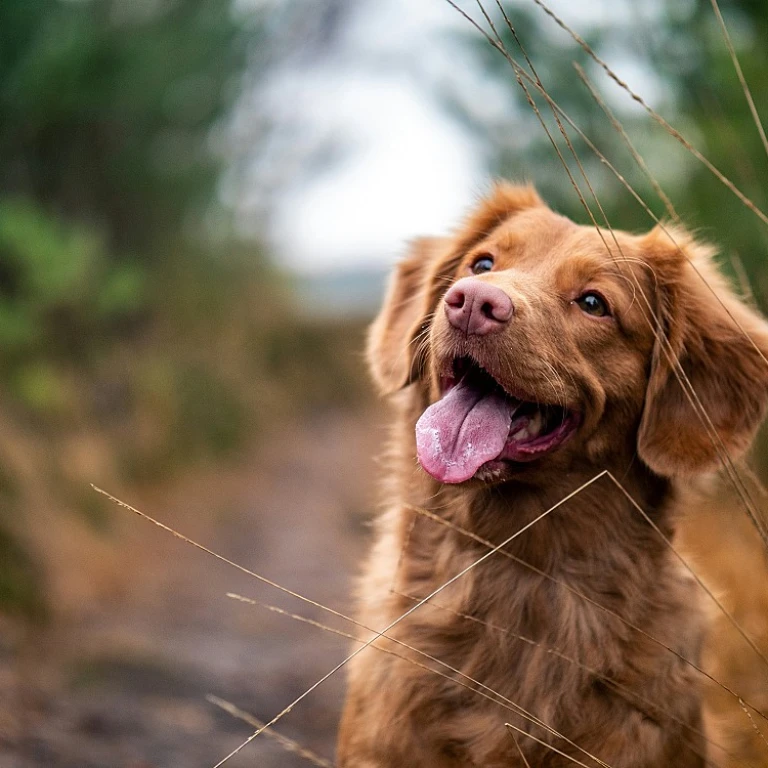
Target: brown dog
[{"x": 529, "y": 355}]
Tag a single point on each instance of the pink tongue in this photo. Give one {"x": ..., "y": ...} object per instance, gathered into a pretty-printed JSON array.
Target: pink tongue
[{"x": 463, "y": 430}]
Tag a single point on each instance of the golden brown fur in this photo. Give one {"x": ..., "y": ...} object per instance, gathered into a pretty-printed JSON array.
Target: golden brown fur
[{"x": 570, "y": 620}]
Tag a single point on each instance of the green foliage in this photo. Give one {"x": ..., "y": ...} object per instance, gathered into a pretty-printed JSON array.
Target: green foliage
[
  {"x": 317, "y": 364},
  {"x": 60, "y": 290},
  {"x": 108, "y": 105},
  {"x": 711, "y": 98},
  {"x": 516, "y": 143},
  {"x": 195, "y": 414},
  {"x": 679, "y": 48},
  {"x": 62, "y": 298},
  {"x": 21, "y": 590},
  {"x": 108, "y": 109}
]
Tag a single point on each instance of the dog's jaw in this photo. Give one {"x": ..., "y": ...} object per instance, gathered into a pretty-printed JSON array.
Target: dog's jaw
[{"x": 478, "y": 429}]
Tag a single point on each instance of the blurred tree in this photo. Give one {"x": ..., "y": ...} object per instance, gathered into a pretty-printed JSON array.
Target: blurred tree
[
  {"x": 122, "y": 311},
  {"x": 679, "y": 54},
  {"x": 106, "y": 113},
  {"x": 107, "y": 107},
  {"x": 697, "y": 61},
  {"x": 519, "y": 148}
]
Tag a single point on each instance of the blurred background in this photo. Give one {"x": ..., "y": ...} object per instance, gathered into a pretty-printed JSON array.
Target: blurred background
[{"x": 199, "y": 203}]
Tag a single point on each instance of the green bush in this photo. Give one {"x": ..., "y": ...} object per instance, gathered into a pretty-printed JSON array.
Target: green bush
[
  {"x": 21, "y": 591},
  {"x": 60, "y": 289}
]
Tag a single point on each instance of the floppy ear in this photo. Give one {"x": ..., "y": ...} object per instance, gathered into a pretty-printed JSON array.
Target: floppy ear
[
  {"x": 394, "y": 353},
  {"x": 392, "y": 345},
  {"x": 504, "y": 200},
  {"x": 722, "y": 347}
]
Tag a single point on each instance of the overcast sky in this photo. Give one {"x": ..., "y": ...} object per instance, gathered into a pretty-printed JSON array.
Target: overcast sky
[{"x": 399, "y": 165}]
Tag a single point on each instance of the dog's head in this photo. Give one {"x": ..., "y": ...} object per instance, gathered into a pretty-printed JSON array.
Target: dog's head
[{"x": 531, "y": 341}]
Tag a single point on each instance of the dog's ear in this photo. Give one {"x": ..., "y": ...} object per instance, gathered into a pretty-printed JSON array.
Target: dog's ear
[
  {"x": 392, "y": 348},
  {"x": 721, "y": 346},
  {"x": 504, "y": 200},
  {"x": 395, "y": 354}
]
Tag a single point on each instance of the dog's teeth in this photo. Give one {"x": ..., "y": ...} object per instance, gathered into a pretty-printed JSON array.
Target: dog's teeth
[
  {"x": 535, "y": 424},
  {"x": 530, "y": 428}
]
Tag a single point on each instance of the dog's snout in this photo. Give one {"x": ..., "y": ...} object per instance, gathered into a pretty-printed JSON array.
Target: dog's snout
[{"x": 477, "y": 307}]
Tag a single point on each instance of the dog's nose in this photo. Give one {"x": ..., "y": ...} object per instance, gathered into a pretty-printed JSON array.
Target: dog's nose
[{"x": 477, "y": 307}]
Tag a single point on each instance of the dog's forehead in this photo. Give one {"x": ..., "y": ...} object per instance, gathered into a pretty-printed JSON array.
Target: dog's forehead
[
  {"x": 536, "y": 230},
  {"x": 542, "y": 240}
]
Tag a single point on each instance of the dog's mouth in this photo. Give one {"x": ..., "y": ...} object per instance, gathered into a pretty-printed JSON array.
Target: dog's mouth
[{"x": 477, "y": 427}]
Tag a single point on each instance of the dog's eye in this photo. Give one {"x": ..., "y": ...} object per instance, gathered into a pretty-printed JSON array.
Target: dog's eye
[
  {"x": 593, "y": 304},
  {"x": 482, "y": 264}
]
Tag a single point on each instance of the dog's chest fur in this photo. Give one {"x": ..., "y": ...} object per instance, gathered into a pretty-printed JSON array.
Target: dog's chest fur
[
  {"x": 585, "y": 632},
  {"x": 556, "y": 625}
]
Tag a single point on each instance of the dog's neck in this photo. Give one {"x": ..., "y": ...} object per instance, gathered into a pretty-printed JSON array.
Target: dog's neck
[
  {"x": 573, "y": 516},
  {"x": 590, "y": 508}
]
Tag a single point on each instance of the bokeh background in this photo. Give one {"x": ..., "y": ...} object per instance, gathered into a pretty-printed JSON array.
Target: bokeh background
[{"x": 199, "y": 203}]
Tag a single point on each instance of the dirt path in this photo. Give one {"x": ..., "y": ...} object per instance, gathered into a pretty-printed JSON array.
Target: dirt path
[
  {"x": 123, "y": 682},
  {"x": 146, "y": 632}
]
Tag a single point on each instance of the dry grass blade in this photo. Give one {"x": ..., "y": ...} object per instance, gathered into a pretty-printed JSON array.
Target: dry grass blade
[
  {"x": 298, "y": 617},
  {"x": 520, "y": 751},
  {"x": 680, "y": 374},
  {"x": 400, "y": 618},
  {"x": 752, "y": 721},
  {"x": 289, "y": 745},
  {"x": 690, "y": 394},
  {"x": 377, "y": 634},
  {"x": 655, "y": 115},
  {"x": 485, "y": 692},
  {"x": 544, "y": 744},
  {"x": 436, "y": 518},
  {"x": 216, "y": 555},
  {"x": 738, "y": 267},
  {"x": 740, "y": 74},
  {"x": 632, "y": 695},
  {"x": 619, "y": 128},
  {"x": 690, "y": 570}
]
